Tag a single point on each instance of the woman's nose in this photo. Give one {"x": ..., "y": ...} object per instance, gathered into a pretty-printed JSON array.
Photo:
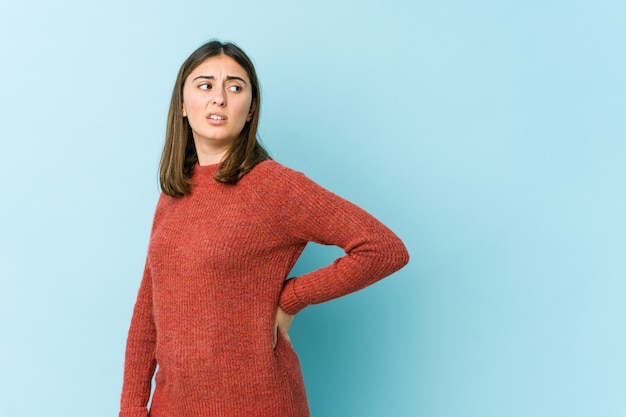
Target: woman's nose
[{"x": 219, "y": 97}]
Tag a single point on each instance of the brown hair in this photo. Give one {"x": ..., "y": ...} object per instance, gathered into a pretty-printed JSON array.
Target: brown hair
[{"x": 179, "y": 152}]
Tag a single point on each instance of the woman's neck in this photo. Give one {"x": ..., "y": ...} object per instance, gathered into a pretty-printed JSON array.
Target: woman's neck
[{"x": 209, "y": 153}]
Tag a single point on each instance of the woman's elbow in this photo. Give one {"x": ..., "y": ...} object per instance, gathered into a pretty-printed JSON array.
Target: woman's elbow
[
  {"x": 400, "y": 256},
  {"x": 396, "y": 255}
]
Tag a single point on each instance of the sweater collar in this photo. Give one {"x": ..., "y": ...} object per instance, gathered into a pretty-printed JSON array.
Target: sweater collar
[{"x": 203, "y": 174}]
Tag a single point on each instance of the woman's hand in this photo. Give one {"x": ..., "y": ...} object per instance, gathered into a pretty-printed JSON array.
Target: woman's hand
[{"x": 282, "y": 325}]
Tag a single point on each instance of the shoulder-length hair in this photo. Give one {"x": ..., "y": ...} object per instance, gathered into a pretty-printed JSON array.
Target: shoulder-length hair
[{"x": 179, "y": 152}]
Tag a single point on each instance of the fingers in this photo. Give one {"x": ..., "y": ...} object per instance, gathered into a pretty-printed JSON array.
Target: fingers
[
  {"x": 275, "y": 340},
  {"x": 282, "y": 323},
  {"x": 287, "y": 338},
  {"x": 284, "y": 334}
]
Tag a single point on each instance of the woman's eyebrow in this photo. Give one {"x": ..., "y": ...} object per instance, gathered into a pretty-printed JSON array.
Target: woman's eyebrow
[
  {"x": 228, "y": 77},
  {"x": 236, "y": 77}
]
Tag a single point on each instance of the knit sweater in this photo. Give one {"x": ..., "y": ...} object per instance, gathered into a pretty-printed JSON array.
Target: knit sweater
[{"x": 216, "y": 271}]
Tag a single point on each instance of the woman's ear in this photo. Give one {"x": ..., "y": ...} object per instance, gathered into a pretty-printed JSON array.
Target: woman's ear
[
  {"x": 184, "y": 111},
  {"x": 252, "y": 109}
]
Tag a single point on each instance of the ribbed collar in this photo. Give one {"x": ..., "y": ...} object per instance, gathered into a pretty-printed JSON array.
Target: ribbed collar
[{"x": 203, "y": 174}]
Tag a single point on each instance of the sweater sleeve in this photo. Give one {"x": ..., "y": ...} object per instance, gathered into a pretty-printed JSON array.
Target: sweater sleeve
[
  {"x": 310, "y": 213},
  {"x": 140, "y": 360}
]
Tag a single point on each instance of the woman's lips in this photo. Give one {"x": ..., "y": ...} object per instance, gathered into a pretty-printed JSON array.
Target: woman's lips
[{"x": 216, "y": 119}]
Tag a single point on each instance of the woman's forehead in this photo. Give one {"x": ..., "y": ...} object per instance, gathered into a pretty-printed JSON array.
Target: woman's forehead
[{"x": 219, "y": 66}]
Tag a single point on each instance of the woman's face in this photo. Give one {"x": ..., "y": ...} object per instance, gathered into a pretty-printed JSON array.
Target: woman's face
[{"x": 217, "y": 101}]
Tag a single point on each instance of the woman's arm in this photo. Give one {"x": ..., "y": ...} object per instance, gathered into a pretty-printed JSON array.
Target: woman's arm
[
  {"x": 140, "y": 360},
  {"x": 309, "y": 212}
]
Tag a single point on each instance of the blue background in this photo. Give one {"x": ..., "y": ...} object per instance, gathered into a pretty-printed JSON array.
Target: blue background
[{"x": 488, "y": 134}]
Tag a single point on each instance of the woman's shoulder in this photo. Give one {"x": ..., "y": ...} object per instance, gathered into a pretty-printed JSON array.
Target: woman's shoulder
[
  {"x": 274, "y": 185},
  {"x": 271, "y": 166},
  {"x": 273, "y": 173}
]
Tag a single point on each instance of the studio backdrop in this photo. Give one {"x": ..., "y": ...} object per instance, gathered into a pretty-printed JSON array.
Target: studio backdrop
[{"x": 489, "y": 135}]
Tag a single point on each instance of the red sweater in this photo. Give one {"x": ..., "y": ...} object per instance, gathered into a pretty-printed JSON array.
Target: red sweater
[{"x": 215, "y": 273}]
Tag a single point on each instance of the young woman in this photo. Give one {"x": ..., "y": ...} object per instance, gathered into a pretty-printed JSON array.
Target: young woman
[{"x": 215, "y": 305}]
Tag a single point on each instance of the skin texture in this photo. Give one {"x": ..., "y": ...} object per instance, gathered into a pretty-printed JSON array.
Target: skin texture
[
  {"x": 218, "y": 88},
  {"x": 221, "y": 87}
]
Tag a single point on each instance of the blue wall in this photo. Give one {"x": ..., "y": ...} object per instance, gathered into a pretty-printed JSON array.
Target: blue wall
[{"x": 489, "y": 134}]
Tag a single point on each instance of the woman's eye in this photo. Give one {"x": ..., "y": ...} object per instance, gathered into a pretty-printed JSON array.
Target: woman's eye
[
  {"x": 234, "y": 88},
  {"x": 204, "y": 86}
]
